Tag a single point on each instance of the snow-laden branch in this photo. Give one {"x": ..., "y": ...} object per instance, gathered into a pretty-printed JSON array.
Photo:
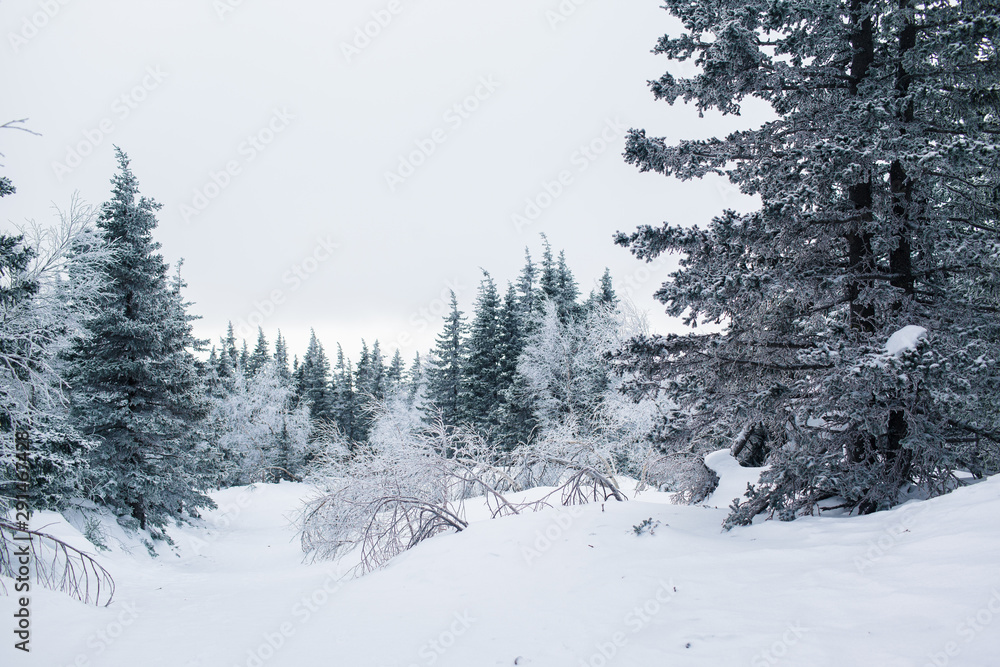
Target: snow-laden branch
[{"x": 56, "y": 565}]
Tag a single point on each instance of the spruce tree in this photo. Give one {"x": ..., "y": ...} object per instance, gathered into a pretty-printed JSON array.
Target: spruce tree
[
  {"x": 514, "y": 413},
  {"x": 481, "y": 373},
  {"x": 261, "y": 354},
  {"x": 877, "y": 182},
  {"x": 281, "y": 358},
  {"x": 529, "y": 296},
  {"x": 369, "y": 383},
  {"x": 548, "y": 281},
  {"x": 416, "y": 383},
  {"x": 604, "y": 296},
  {"x": 394, "y": 374},
  {"x": 228, "y": 359},
  {"x": 363, "y": 375},
  {"x": 445, "y": 382},
  {"x": 313, "y": 379},
  {"x": 229, "y": 347},
  {"x": 377, "y": 373},
  {"x": 558, "y": 285},
  {"x": 135, "y": 385},
  {"x": 567, "y": 291},
  {"x": 345, "y": 406}
]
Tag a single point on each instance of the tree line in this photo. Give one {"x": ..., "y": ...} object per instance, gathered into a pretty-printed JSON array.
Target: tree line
[{"x": 123, "y": 413}]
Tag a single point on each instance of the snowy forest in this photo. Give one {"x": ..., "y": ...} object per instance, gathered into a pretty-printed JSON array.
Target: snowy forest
[
  {"x": 124, "y": 413},
  {"x": 838, "y": 364}
]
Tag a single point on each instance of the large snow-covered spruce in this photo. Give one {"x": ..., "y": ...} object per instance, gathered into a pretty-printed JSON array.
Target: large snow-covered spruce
[
  {"x": 878, "y": 187},
  {"x": 135, "y": 385}
]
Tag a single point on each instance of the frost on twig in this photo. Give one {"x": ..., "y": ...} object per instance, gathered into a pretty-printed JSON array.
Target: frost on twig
[
  {"x": 56, "y": 565},
  {"x": 414, "y": 483}
]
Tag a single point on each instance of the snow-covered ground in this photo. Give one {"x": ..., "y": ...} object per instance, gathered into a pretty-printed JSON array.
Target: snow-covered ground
[{"x": 574, "y": 587}]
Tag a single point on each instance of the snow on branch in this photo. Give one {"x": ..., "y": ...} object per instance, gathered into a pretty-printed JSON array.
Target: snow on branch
[
  {"x": 56, "y": 565},
  {"x": 414, "y": 483}
]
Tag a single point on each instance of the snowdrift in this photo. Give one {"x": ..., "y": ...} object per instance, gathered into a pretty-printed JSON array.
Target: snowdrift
[{"x": 573, "y": 587}]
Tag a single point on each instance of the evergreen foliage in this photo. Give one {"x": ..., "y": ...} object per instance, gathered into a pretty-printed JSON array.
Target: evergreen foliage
[
  {"x": 261, "y": 354},
  {"x": 312, "y": 380},
  {"x": 481, "y": 373},
  {"x": 136, "y": 388},
  {"x": 445, "y": 376},
  {"x": 877, "y": 181}
]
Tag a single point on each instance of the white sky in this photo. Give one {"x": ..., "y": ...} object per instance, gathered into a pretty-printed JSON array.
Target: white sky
[{"x": 182, "y": 86}]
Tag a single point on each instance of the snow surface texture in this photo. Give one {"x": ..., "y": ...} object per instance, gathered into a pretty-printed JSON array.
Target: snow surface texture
[
  {"x": 915, "y": 586},
  {"x": 904, "y": 339},
  {"x": 733, "y": 479}
]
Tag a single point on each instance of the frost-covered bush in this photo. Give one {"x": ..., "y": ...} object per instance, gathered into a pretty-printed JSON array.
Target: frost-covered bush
[
  {"x": 580, "y": 407},
  {"x": 259, "y": 430},
  {"x": 413, "y": 481}
]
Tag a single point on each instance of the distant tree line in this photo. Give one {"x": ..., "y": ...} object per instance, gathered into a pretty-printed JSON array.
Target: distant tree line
[{"x": 100, "y": 365}]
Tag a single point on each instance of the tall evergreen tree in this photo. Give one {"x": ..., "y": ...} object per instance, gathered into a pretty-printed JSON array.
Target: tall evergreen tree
[
  {"x": 394, "y": 374},
  {"x": 135, "y": 384},
  {"x": 261, "y": 354},
  {"x": 567, "y": 291},
  {"x": 445, "y": 383},
  {"x": 229, "y": 344},
  {"x": 244, "y": 360},
  {"x": 377, "y": 372},
  {"x": 369, "y": 383},
  {"x": 481, "y": 372},
  {"x": 604, "y": 296},
  {"x": 313, "y": 379},
  {"x": 558, "y": 285},
  {"x": 529, "y": 297},
  {"x": 877, "y": 183},
  {"x": 363, "y": 374},
  {"x": 281, "y": 358},
  {"x": 416, "y": 383},
  {"x": 345, "y": 399},
  {"x": 228, "y": 359},
  {"x": 548, "y": 280},
  {"x": 514, "y": 413}
]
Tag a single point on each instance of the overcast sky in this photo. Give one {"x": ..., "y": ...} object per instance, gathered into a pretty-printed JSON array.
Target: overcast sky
[{"x": 343, "y": 165}]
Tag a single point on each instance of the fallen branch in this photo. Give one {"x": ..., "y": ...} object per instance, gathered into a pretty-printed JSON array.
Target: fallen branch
[{"x": 57, "y": 565}]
